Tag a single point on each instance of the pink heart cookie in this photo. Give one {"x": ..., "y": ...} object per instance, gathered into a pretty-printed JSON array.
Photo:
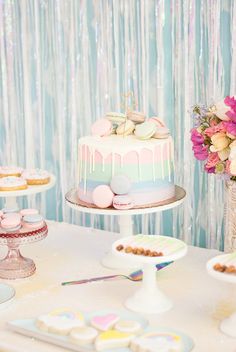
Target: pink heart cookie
[{"x": 104, "y": 322}]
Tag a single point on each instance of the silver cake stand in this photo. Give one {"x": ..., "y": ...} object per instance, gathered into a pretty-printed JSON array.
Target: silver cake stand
[{"x": 125, "y": 219}]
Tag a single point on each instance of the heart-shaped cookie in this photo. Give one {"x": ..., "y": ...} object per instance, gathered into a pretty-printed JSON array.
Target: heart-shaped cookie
[{"x": 104, "y": 322}]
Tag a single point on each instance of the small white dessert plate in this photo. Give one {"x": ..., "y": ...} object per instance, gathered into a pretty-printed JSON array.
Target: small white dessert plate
[{"x": 7, "y": 293}]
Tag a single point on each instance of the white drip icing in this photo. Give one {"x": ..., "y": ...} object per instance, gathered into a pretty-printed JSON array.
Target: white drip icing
[
  {"x": 162, "y": 162},
  {"x": 112, "y": 164},
  {"x": 121, "y": 147},
  {"x": 168, "y": 159},
  {"x": 153, "y": 167},
  {"x": 85, "y": 169}
]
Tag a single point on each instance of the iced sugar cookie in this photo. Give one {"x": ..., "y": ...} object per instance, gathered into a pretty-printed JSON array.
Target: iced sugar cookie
[
  {"x": 112, "y": 339},
  {"x": 129, "y": 326},
  {"x": 12, "y": 183},
  {"x": 104, "y": 322},
  {"x": 157, "y": 341},
  {"x": 84, "y": 335},
  {"x": 10, "y": 171},
  {"x": 60, "y": 322},
  {"x": 36, "y": 177}
]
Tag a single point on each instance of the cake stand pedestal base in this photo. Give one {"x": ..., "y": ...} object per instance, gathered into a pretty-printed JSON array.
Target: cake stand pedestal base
[
  {"x": 149, "y": 298},
  {"x": 228, "y": 325},
  {"x": 15, "y": 266},
  {"x": 110, "y": 260}
]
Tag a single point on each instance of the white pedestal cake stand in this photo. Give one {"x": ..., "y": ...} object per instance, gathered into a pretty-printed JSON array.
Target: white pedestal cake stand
[
  {"x": 149, "y": 298},
  {"x": 12, "y": 195},
  {"x": 228, "y": 325},
  {"x": 125, "y": 220}
]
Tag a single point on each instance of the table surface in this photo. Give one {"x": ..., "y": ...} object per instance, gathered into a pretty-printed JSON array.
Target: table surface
[{"x": 72, "y": 252}]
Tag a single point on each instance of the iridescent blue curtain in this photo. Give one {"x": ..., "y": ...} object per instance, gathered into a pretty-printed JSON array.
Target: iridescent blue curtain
[{"x": 64, "y": 63}]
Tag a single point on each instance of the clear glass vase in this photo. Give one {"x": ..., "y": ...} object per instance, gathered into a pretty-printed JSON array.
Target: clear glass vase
[{"x": 230, "y": 216}]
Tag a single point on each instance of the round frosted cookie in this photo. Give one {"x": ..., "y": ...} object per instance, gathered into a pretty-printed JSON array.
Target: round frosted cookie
[
  {"x": 130, "y": 326},
  {"x": 60, "y": 322},
  {"x": 84, "y": 335},
  {"x": 157, "y": 341},
  {"x": 10, "y": 171},
  {"x": 12, "y": 183},
  {"x": 36, "y": 177}
]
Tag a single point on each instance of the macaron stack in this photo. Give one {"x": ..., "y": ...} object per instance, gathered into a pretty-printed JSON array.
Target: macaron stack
[
  {"x": 116, "y": 195},
  {"x": 133, "y": 123},
  {"x": 13, "y": 220}
]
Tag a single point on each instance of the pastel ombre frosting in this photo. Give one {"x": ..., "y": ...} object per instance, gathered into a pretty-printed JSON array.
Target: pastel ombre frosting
[{"x": 149, "y": 165}]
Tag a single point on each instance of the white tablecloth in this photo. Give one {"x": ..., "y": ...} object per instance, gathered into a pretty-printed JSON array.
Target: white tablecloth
[{"x": 72, "y": 252}]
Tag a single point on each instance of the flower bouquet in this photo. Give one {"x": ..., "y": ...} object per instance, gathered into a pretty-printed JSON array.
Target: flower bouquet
[{"x": 214, "y": 142}]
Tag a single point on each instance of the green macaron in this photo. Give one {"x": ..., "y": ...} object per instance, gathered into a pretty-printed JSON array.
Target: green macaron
[{"x": 145, "y": 130}]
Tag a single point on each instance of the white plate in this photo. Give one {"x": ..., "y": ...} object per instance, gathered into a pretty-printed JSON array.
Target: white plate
[
  {"x": 27, "y": 327},
  {"x": 221, "y": 259},
  {"x": 7, "y": 293}
]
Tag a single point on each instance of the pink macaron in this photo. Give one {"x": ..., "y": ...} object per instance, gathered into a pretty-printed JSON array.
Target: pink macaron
[
  {"x": 102, "y": 196},
  {"x": 123, "y": 202},
  {"x": 28, "y": 211},
  {"x": 136, "y": 116},
  {"x": 12, "y": 215},
  {"x": 33, "y": 221},
  {"x": 102, "y": 127},
  {"x": 159, "y": 122},
  {"x": 11, "y": 224}
]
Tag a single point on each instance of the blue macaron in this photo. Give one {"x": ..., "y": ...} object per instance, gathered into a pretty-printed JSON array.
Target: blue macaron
[{"x": 120, "y": 184}]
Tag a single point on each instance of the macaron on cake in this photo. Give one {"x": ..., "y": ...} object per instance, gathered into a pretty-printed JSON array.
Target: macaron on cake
[
  {"x": 130, "y": 155},
  {"x": 136, "y": 116},
  {"x": 12, "y": 183},
  {"x": 145, "y": 130},
  {"x": 120, "y": 184},
  {"x": 10, "y": 171},
  {"x": 32, "y": 221},
  {"x": 162, "y": 133},
  {"x": 102, "y": 128},
  {"x": 103, "y": 196},
  {"x": 116, "y": 117},
  {"x": 36, "y": 177},
  {"x": 157, "y": 120},
  {"x": 126, "y": 128},
  {"x": 123, "y": 202}
]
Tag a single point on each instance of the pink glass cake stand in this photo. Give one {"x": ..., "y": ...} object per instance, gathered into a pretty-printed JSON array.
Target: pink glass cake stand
[
  {"x": 125, "y": 220},
  {"x": 14, "y": 265},
  {"x": 149, "y": 298},
  {"x": 228, "y": 325}
]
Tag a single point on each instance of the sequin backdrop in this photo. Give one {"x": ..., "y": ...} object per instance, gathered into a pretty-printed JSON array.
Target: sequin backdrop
[{"x": 64, "y": 63}]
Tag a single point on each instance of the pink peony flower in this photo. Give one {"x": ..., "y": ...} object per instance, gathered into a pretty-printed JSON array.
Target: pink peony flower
[
  {"x": 211, "y": 170},
  {"x": 210, "y": 131},
  {"x": 232, "y": 115},
  {"x": 227, "y": 167},
  {"x": 212, "y": 160},
  {"x": 231, "y": 128},
  {"x": 230, "y": 102},
  {"x": 196, "y": 137},
  {"x": 200, "y": 152}
]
